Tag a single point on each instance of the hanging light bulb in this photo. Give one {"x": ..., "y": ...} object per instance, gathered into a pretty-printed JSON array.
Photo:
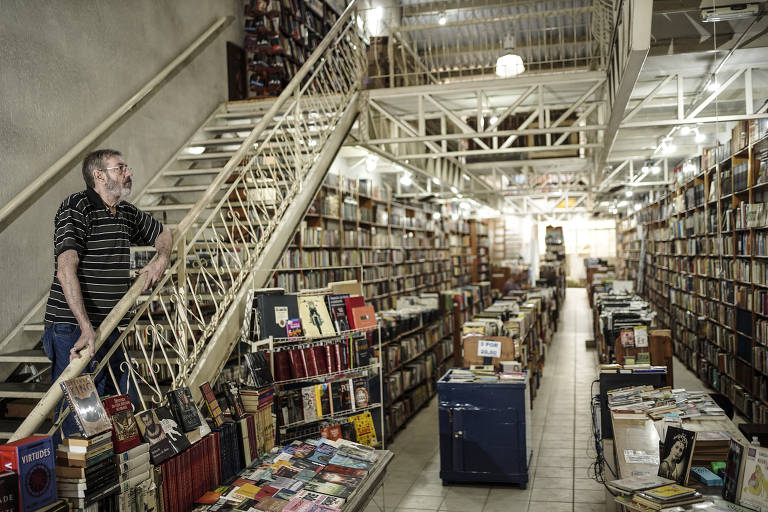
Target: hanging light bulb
[
  {"x": 700, "y": 137},
  {"x": 436, "y": 181},
  {"x": 628, "y": 193},
  {"x": 510, "y": 64},
  {"x": 685, "y": 130},
  {"x": 494, "y": 119},
  {"x": 655, "y": 169},
  {"x": 442, "y": 19},
  {"x": 405, "y": 179}
]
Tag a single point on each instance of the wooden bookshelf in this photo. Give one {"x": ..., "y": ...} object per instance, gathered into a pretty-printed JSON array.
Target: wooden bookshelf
[
  {"x": 480, "y": 247},
  {"x": 628, "y": 247},
  {"x": 705, "y": 267}
]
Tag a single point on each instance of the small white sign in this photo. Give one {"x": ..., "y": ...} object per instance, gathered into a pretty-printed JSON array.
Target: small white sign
[
  {"x": 281, "y": 315},
  {"x": 488, "y": 348}
]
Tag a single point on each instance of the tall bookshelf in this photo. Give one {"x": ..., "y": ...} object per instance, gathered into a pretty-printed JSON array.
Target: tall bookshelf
[
  {"x": 628, "y": 245},
  {"x": 480, "y": 247},
  {"x": 280, "y": 35},
  {"x": 706, "y": 263}
]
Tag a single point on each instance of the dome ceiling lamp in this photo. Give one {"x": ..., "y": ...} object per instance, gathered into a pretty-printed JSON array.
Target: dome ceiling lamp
[{"x": 510, "y": 64}]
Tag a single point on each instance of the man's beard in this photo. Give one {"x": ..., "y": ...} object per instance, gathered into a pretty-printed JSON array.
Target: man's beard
[{"x": 120, "y": 190}]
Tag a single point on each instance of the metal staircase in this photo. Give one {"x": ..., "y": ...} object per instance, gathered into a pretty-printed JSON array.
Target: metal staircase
[{"x": 233, "y": 197}]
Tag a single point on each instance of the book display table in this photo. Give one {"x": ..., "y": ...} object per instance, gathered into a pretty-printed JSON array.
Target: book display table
[{"x": 484, "y": 431}]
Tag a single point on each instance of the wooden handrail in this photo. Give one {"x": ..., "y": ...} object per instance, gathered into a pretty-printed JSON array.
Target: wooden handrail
[{"x": 52, "y": 174}]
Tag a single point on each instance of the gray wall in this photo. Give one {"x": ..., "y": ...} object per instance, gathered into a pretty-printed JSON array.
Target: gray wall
[{"x": 64, "y": 67}]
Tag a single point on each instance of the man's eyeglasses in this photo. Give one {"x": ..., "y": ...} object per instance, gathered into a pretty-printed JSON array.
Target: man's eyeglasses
[{"x": 122, "y": 168}]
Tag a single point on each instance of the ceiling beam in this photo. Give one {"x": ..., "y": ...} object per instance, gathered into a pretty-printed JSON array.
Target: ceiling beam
[
  {"x": 488, "y": 135},
  {"x": 648, "y": 98},
  {"x": 456, "y": 120},
  {"x": 695, "y": 120},
  {"x": 505, "y": 151},
  {"x": 505, "y": 18}
]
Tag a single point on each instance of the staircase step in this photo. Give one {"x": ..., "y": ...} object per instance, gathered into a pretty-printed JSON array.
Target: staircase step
[
  {"x": 184, "y": 188},
  {"x": 23, "y": 389},
  {"x": 9, "y": 425},
  {"x": 193, "y": 172},
  {"x": 169, "y": 207},
  {"x": 34, "y": 328},
  {"x": 24, "y": 356},
  {"x": 230, "y": 128},
  {"x": 216, "y": 142},
  {"x": 222, "y": 155}
]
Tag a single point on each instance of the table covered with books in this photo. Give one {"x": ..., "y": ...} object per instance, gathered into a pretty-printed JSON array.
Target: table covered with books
[{"x": 689, "y": 468}]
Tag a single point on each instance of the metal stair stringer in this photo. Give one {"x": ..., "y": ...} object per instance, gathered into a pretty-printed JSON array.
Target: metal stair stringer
[{"x": 227, "y": 334}]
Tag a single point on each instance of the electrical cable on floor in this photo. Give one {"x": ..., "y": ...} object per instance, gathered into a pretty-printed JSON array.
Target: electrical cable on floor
[{"x": 596, "y": 469}]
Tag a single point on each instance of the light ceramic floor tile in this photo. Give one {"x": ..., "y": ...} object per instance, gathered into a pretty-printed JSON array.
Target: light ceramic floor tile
[
  {"x": 463, "y": 503},
  {"x": 593, "y": 507},
  {"x": 587, "y": 484},
  {"x": 421, "y": 502},
  {"x": 558, "y": 495},
  {"x": 581, "y": 496},
  {"x": 544, "y": 506},
  {"x": 428, "y": 489},
  {"x": 552, "y": 483}
]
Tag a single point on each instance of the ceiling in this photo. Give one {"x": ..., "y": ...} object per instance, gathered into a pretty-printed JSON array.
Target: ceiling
[{"x": 565, "y": 45}]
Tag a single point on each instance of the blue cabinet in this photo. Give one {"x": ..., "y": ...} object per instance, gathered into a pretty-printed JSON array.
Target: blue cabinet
[{"x": 484, "y": 431}]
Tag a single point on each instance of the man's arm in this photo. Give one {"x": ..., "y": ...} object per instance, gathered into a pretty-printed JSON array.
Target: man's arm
[
  {"x": 155, "y": 268},
  {"x": 70, "y": 285}
]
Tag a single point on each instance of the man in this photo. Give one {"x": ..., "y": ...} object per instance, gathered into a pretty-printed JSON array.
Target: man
[{"x": 93, "y": 232}]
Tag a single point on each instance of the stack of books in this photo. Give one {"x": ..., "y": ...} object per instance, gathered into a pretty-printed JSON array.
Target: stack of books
[
  {"x": 665, "y": 497},
  {"x": 135, "y": 476},
  {"x": 85, "y": 470}
]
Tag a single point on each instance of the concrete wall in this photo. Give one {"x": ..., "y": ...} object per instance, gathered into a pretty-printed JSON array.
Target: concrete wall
[{"x": 65, "y": 67}]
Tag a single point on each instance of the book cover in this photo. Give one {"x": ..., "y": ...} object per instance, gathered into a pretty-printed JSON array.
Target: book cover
[
  {"x": 309, "y": 403},
  {"x": 184, "y": 409},
  {"x": 314, "y": 316},
  {"x": 338, "y": 311},
  {"x": 323, "y": 400},
  {"x": 319, "y": 356},
  {"x": 212, "y": 404},
  {"x": 293, "y": 328},
  {"x": 365, "y": 431},
  {"x": 332, "y": 432},
  {"x": 320, "y": 499},
  {"x": 362, "y": 354},
  {"x": 354, "y": 301},
  {"x": 345, "y": 479},
  {"x": 235, "y": 401},
  {"x": 329, "y": 488},
  {"x": 734, "y": 471},
  {"x": 627, "y": 338},
  {"x": 33, "y": 461},
  {"x": 160, "y": 447},
  {"x": 363, "y": 317},
  {"x": 257, "y": 364},
  {"x": 350, "y": 462},
  {"x": 669, "y": 492},
  {"x": 125, "y": 432},
  {"x": 341, "y": 395},
  {"x": 84, "y": 404},
  {"x": 754, "y": 488},
  {"x": 272, "y": 312},
  {"x": 677, "y": 454}
]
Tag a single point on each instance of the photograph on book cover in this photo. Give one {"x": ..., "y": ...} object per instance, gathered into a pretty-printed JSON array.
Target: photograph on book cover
[{"x": 677, "y": 454}]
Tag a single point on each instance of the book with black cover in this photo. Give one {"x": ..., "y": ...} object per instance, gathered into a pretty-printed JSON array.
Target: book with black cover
[
  {"x": 9, "y": 491},
  {"x": 341, "y": 395},
  {"x": 338, "y": 311},
  {"x": 360, "y": 392},
  {"x": 734, "y": 472},
  {"x": 184, "y": 408},
  {"x": 83, "y": 399},
  {"x": 258, "y": 368},
  {"x": 160, "y": 446},
  {"x": 125, "y": 432},
  {"x": 677, "y": 454},
  {"x": 272, "y": 312},
  {"x": 235, "y": 401},
  {"x": 362, "y": 355}
]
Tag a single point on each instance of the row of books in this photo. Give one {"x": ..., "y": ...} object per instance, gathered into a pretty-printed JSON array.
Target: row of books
[
  {"x": 303, "y": 404},
  {"x": 273, "y": 313},
  {"x": 309, "y": 360}
]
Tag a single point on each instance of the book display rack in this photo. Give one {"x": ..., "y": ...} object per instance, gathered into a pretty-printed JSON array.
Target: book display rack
[
  {"x": 279, "y": 37},
  {"x": 706, "y": 263}
]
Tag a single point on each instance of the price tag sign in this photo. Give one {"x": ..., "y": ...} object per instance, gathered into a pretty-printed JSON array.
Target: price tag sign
[{"x": 488, "y": 348}]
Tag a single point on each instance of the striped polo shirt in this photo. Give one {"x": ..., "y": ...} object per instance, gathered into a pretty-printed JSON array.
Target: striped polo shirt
[{"x": 102, "y": 241}]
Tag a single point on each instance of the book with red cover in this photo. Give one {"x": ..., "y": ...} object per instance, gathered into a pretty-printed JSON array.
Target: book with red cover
[
  {"x": 214, "y": 408},
  {"x": 311, "y": 362},
  {"x": 298, "y": 370},
  {"x": 350, "y": 303},
  {"x": 363, "y": 317},
  {"x": 320, "y": 361},
  {"x": 332, "y": 432},
  {"x": 125, "y": 432},
  {"x": 330, "y": 357},
  {"x": 282, "y": 365},
  {"x": 338, "y": 350}
]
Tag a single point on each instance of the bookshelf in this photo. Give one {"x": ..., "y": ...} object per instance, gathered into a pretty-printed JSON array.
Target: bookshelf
[
  {"x": 705, "y": 266},
  {"x": 279, "y": 37},
  {"x": 480, "y": 250},
  {"x": 628, "y": 245}
]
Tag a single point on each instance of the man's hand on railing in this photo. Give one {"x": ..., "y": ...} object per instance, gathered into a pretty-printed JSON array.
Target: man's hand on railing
[
  {"x": 154, "y": 270},
  {"x": 87, "y": 338}
]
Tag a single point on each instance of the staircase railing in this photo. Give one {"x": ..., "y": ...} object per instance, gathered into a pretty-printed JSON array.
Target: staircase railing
[{"x": 220, "y": 239}]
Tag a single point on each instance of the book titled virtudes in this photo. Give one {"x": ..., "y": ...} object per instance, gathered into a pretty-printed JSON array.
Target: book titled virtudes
[
  {"x": 86, "y": 407},
  {"x": 33, "y": 460}
]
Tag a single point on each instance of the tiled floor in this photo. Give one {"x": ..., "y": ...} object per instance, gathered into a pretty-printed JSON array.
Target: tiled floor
[
  {"x": 561, "y": 431},
  {"x": 559, "y": 476}
]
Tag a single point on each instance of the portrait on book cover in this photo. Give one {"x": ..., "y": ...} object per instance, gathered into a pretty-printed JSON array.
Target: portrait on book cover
[{"x": 677, "y": 454}]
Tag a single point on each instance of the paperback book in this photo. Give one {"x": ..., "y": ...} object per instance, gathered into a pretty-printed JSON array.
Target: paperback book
[{"x": 89, "y": 413}]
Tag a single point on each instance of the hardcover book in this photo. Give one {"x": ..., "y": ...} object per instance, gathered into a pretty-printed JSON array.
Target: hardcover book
[
  {"x": 184, "y": 408},
  {"x": 354, "y": 301},
  {"x": 365, "y": 431},
  {"x": 235, "y": 401},
  {"x": 341, "y": 395},
  {"x": 338, "y": 311},
  {"x": 125, "y": 432},
  {"x": 734, "y": 472},
  {"x": 85, "y": 406},
  {"x": 293, "y": 328},
  {"x": 677, "y": 454},
  {"x": 258, "y": 368},
  {"x": 160, "y": 446},
  {"x": 214, "y": 409},
  {"x": 363, "y": 317},
  {"x": 33, "y": 460},
  {"x": 272, "y": 312},
  {"x": 314, "y": 316},
  {"x": 361, "y": 395}
]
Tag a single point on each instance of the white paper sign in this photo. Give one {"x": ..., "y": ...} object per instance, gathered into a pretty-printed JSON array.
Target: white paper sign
[
  {"x": 281, "y": 315},
  {"x": 488, "y": 348}
]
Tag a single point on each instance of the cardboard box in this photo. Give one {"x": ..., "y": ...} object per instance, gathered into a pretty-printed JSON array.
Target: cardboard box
[{"x": 470, "y": 345}]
